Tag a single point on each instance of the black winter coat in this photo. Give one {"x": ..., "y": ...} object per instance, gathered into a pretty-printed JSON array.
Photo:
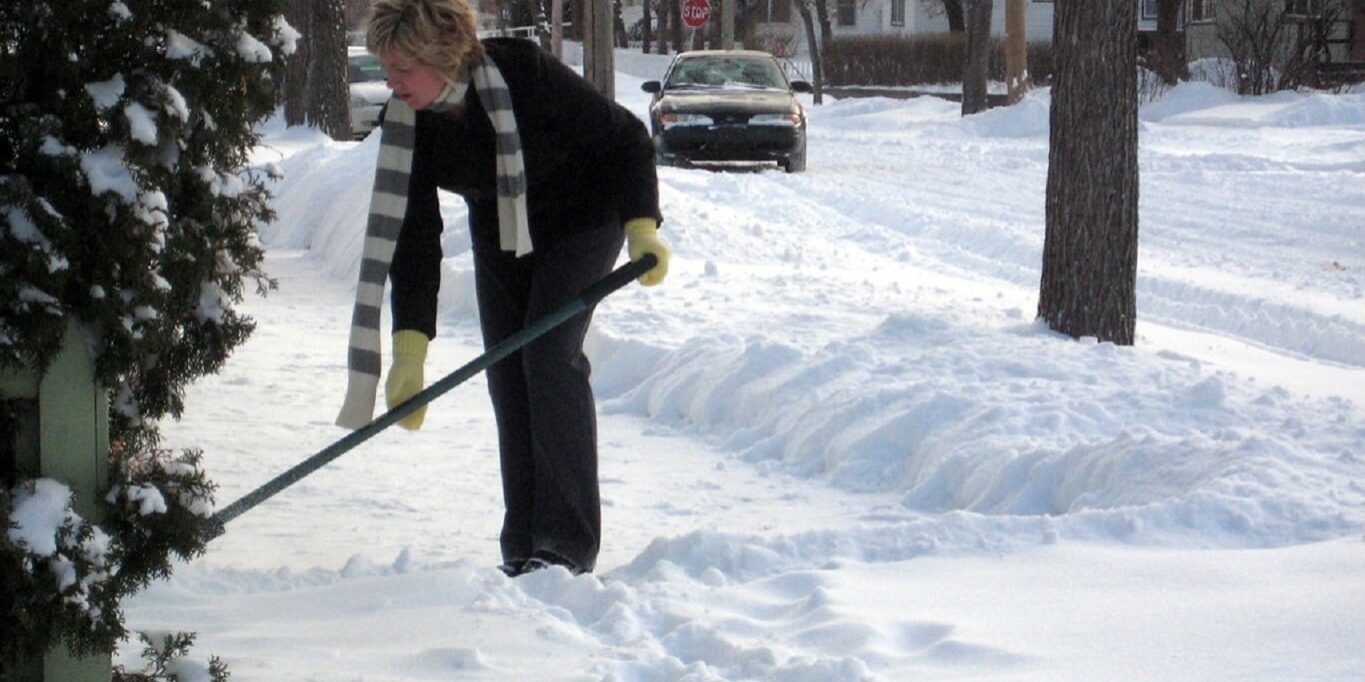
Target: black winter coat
[{"x": 589, "y": 164}]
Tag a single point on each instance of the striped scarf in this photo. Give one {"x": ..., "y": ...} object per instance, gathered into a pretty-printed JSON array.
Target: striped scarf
[{"x": 388, "y": 206}]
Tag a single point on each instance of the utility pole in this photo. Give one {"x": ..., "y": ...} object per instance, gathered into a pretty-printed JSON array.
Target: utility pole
[
  {"x": 598, "y": 41},
  {"x": 1016, "y": 49}
]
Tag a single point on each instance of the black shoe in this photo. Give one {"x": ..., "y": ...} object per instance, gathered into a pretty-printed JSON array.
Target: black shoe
[
  {"x": 545, "y": 559},
  {"x": 513, "y": 567},
  {"x": 534, "y": 564}
]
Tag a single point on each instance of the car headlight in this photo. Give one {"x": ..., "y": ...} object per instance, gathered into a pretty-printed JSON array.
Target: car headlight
[
  {"x": 669, "y": 120},
  {"x": 788, "y": 119}
]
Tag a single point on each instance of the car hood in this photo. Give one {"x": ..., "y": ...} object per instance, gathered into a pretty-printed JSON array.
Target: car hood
[
  {"x": 735, "y": 101},
  {"x": 374, "y": 93}
]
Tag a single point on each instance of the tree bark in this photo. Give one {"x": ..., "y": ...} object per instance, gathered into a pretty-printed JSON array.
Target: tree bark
[
  {"x": 826, "y": 31},
  {"x": 817, "y": 71},
  {"x": 618, "y": 25},
  {"x": 648, "y": 27},
  {"x": 976, "y": 71},
  {"x": 329, "y": 94},
  {"x": 1089, "y": 273},
  {"x": 956, "y": 20},
  {"x": 578, "y": 22},
  {"x": 295, "y": 85},
  {"x": 675, "y": 23},
  {"x": 1168, "y": 49}
]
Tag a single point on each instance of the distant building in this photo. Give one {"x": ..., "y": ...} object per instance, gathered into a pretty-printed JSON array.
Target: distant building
[{"x": 1199, "y": 21}]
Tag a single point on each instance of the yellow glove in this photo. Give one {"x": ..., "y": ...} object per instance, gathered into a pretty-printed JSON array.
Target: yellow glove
[
  {"x": 642, "y": 237},
  {"x": 405, "y": 374}
]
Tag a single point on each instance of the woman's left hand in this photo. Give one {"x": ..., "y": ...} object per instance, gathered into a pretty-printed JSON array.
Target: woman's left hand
[{"x": 642, "y": 237}]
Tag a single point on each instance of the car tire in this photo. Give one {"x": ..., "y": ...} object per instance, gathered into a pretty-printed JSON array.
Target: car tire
[{"x": 796, "y": 163}]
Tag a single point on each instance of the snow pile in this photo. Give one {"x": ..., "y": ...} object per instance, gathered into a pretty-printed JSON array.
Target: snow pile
[{"x": 835, "y": 445}]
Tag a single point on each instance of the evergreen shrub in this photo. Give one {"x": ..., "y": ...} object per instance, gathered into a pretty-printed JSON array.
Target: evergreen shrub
[{"x": 128, "y": 203}]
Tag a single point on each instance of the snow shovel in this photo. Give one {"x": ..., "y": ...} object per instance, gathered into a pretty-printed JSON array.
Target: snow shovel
[{"x": 590, "y": 297}]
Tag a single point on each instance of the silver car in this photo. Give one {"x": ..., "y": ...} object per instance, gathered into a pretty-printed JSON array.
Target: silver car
[{"x": 369, "y": 91}]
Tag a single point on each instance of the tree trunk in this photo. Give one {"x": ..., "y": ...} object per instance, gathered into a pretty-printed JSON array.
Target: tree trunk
[
  {"x": 817, "y": 71},
  {"x": 578, "y": 23},
  {"x": 978, "y": 61},
  {"x": 1168, "y": 49},
  {"x": 329, "y": 95},
  {"x": 648, "y": 27},
  {"x": 1090, "y": 248},
  {"x": 956, "y": 21},
  {"x": 675, "y": 23},
  {"x": 826, "y": 30},
  {"x": 618, "y": 26},
  {"x": 299, "y": 15}
]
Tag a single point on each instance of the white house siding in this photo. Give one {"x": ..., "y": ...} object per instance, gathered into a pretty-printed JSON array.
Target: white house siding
[
  {"x": 927, "y": 16},
  {"x": 921, "y": 17}
]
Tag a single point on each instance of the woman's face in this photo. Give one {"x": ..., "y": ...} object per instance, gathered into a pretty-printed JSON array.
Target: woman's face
[{"x": 414, "y": 82}]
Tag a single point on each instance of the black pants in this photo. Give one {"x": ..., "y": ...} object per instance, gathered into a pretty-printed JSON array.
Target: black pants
[{"x": 547, "y": 420}]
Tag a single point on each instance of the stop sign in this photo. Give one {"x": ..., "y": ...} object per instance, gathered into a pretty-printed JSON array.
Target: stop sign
[{"x": 696, "y": 12}]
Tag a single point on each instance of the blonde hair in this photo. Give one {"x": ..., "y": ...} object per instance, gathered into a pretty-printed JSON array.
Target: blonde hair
[{"x": 439, "y": 33}]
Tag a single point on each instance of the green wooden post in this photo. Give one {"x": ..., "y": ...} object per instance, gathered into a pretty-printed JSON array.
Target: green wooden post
[{"x": 66, "y": 438}]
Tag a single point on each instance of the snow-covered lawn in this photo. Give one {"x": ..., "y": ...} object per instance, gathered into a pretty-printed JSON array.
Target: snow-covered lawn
[{"x": 835, "y": 444}]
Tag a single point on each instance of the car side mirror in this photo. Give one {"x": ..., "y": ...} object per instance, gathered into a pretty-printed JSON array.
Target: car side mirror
[
  {"x": 651, "y": 86},
  {"x": 801, "y": 86}
]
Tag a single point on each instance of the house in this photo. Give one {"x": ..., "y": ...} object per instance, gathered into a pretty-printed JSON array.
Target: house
[
  {"x": 1200, "y": 22},
  {"x": 1204, "y": 20},
  {"x": 893, "y": 17}
]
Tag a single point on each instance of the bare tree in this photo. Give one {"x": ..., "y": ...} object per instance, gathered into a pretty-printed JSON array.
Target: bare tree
[
  {"x": 1168, "y": 48},
  {"x": 648, "y": 27},
  {"x": 328, "y": 75},
  {"x": 826, "y": 30},
  {"x": 816, "y": 52},
  {"x": 1089, "y": 276},
  {"x": 675, "y": 23},
  {"x": 295, "y": 85},
  {"x": 951, "y": 8},
  {"x": 1277, "y": 46},
  {"x": 315, "y": 85},
  {"x": 976, "y": 69},
  {"x": 578, "y": 19}
]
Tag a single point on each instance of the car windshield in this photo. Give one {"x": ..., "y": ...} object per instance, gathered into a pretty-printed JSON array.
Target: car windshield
[
  {"x": 365, "y": 68},
  {"x": 726, "y": 72}
]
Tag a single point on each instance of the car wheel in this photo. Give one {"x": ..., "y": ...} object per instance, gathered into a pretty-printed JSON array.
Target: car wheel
[{"x": 795, "y": 163}]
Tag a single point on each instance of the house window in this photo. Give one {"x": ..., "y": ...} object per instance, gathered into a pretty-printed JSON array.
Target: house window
[
  {"x": 1201, "y": 10},
  {"x": 897, "y": 12},
  {"x": 1149, "y": 9},
  {"x": 775, "y": 11},
  {"x": 848, "y": 12}
]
